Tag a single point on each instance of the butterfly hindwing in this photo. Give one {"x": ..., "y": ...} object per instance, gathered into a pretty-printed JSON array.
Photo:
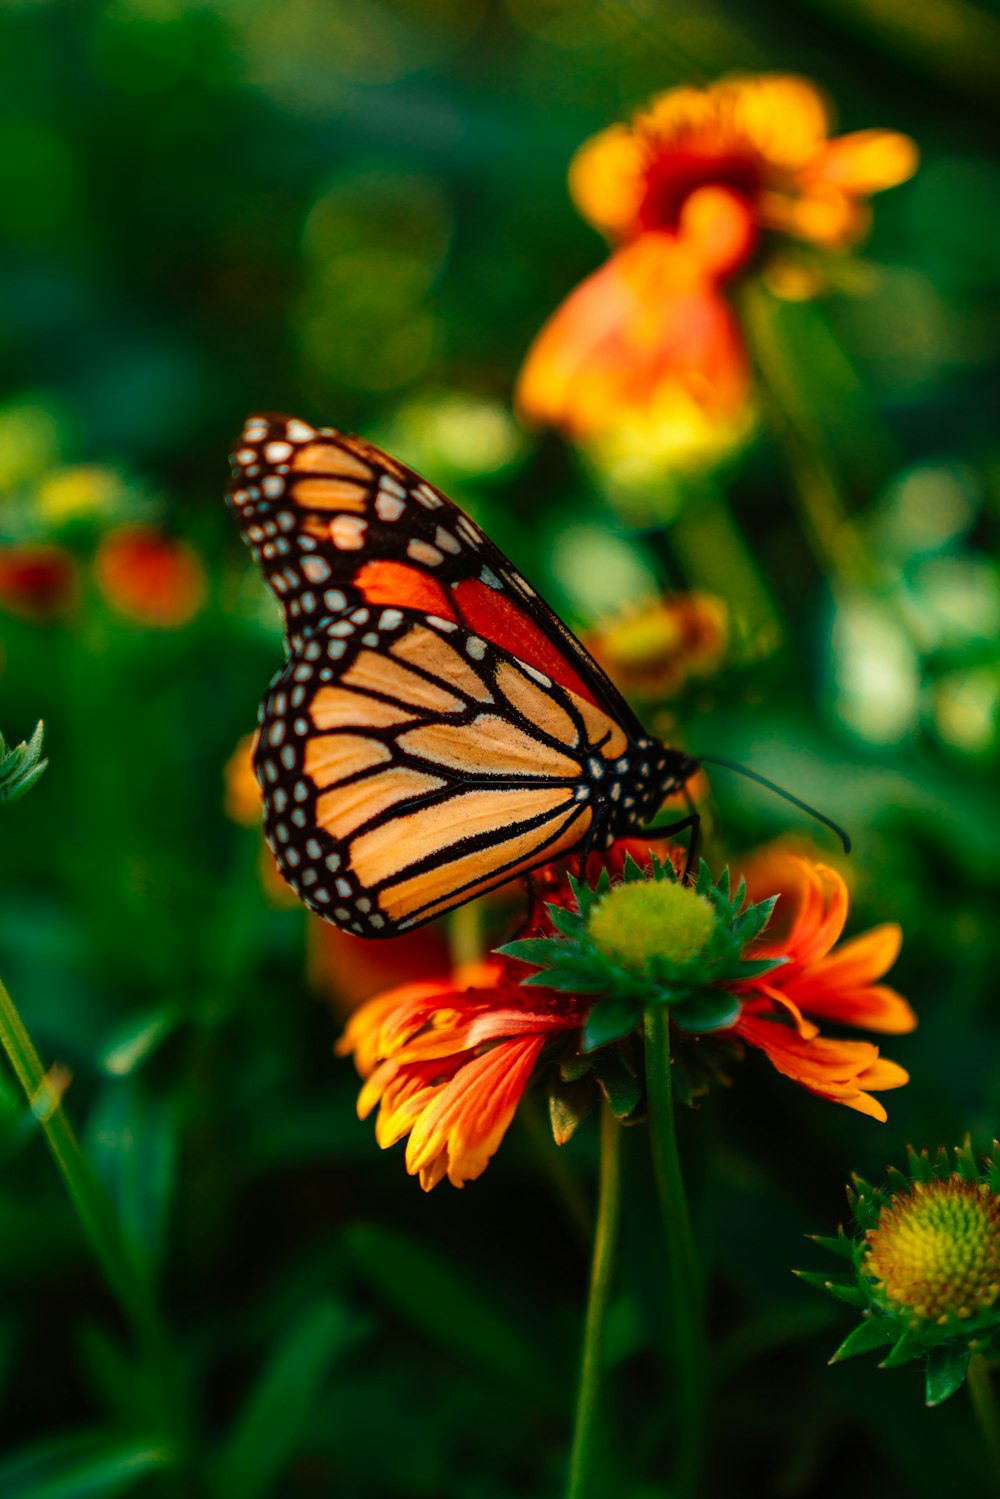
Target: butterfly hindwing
[
  {"x": 408, "y": 765},
  {"x": 436, "y": 728}
]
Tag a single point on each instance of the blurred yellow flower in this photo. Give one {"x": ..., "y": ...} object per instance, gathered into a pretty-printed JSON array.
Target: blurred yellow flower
[
  {"x": 79, "y": 493},
  {"x": 698, "y": 186},
  {"x": 651, "y": 650}
]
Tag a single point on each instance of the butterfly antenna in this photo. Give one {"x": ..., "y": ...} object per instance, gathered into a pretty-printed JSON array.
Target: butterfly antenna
[{"x": 796, "y": 801}]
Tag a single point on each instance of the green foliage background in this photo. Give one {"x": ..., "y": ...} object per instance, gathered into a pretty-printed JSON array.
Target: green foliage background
[{"x": 357, "y": 212}]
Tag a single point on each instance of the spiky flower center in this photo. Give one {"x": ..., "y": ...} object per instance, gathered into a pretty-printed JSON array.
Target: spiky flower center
[
  {"x": 935, "y": 1253},
  {"x": 634, "y": 924}
]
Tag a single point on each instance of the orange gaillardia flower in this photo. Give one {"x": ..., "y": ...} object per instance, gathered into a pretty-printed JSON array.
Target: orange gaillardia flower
[
  {"x": 819, "y": 980},
  {"x": 694, "y": 188},
  {"x": 150, "y": 578},
  {"x": 447, "y": 1061}
]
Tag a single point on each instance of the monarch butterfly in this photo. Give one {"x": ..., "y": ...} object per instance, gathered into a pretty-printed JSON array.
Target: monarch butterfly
[{"x": 436, "y": 729}]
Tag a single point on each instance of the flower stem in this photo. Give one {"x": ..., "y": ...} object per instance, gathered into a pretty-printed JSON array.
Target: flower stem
[
  {"x": 97, "y": 1217},
  {"x": 984, "y": 1403},
  {"x": 605, "y": 1241},
  {"x": 683, "y": 1270}
]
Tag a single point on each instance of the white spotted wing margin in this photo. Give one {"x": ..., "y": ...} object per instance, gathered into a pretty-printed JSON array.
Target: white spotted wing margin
[{"x": 407, "y": 766}]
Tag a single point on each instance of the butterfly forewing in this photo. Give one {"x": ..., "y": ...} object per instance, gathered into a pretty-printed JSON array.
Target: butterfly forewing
[{"x": 436, "y": 728}]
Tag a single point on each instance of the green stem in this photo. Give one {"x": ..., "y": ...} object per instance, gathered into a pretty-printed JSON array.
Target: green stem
[
  {"x": 96, "y": 1215},
  {"x": 605, "y": 1240},
  {"x": 832, "y": 534},
  {"x": 683, "y": 1277},
  {"x": 984, "y": 1403}
]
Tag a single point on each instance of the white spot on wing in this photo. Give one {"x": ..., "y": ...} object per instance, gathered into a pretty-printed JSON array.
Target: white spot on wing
[
  {"x": 389, "y": 507},
  {"x": 347, "y": 532},
  {"x": 422, "y": 551}
]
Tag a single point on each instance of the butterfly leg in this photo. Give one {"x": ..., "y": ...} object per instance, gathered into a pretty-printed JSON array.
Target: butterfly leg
[{"x": 671, "y": 829}]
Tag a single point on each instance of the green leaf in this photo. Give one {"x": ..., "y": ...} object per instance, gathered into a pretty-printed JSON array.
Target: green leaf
[
  {"x": 133, "y": 1139},
  {"x": 609, "y": 1021},
  {"x": 868, "y": 1336},
  {"x": 132, "y": 1043},
  {"x": 438, "y": 1297},
  {"x": 711, "y": 1010},
  {"x": 946, "y": 1370},
  {"x": 81, "y": 1467},
  {"x": 20, "y": 768},
  {"x": 276, "y": 1415}
]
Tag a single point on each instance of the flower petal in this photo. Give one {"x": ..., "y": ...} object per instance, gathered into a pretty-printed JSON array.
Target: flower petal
[
  {"x": 836, "y": 1070},
  {"x": 648, "y": 325},
  {"x": 459, "y": 1130},
  {"x": 866, "y": 161}
]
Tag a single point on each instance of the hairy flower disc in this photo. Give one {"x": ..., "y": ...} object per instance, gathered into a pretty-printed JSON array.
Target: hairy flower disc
[
  {"x": 636, "y": 923},
  {"x": 935, "y": 1253}
]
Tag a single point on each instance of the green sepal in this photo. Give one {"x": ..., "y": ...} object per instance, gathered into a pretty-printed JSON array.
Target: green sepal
[
  {"x": 619, "y": 1083},
  {"x": 752, "y": 968},
  {"x": 609, "y": 1021},
  {"x": 905, "y": 1349},
  {"x": 569, "y": 1105},
  {"x": 568, "y": 979},
  {"x": 535, "y": 950},
  {"x": 865, "y": 1338},
  {"x": 841, "y": 1245},
  {"x": 946, "y": 1370},
  {"x": 570, "y": 923},
  {"x": 575, "y": 1066},
  {"x": 843, "y": 1287},
  {"x": 711, "y": 1010},
  {"x": 754, "y": 919},
  {"x": 896, "y": 1181}
]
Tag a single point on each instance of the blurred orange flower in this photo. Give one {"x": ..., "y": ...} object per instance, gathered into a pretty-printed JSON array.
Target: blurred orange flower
[
  {"x": 692, "y": 189},
  {"x": 37, "y": 583},
  {"x": 652, "y": 649},
  {"x": 150, "y": 578}
]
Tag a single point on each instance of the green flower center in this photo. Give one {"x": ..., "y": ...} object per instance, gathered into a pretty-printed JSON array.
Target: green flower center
[
  {"x": 936, "y": 1252},
  {"x": 656, "y": 919}
]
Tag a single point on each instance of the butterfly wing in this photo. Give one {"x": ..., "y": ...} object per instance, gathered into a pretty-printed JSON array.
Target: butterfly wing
[{"x": 436, "y": 728}]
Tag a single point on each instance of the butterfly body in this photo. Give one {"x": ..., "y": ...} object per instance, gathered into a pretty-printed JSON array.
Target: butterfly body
[{"x": 435, "y": 729}]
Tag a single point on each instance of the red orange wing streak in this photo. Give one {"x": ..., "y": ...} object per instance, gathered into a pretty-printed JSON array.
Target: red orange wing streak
[
  {"x": 497, "y": 617},
  {"x": 401, "y": 587}
]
